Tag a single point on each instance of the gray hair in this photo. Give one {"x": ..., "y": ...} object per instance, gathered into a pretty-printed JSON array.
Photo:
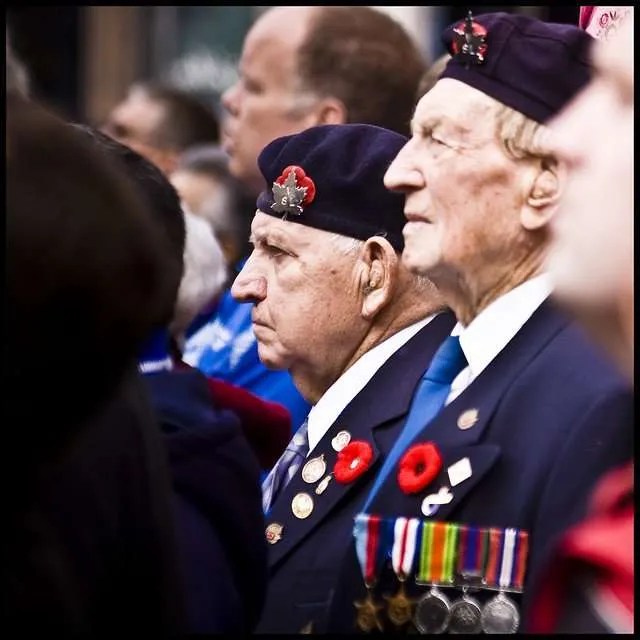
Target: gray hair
[{"x": 521, "y": 136}]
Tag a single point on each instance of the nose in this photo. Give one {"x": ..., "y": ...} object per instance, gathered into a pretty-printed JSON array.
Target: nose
[
  {"x": 249, "y": 285},
  {"x": 229, "y": 99},
  {"x": 402, "y": 175}
]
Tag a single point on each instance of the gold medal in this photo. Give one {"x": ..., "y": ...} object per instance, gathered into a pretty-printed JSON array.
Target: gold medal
[
  {"x": 314, "y": 469},
  {"x": 341, "y": 440},
  {"x": 367, "y": 618},
  {"x": 273, "y": 532},
  {"x": 302, "y": 505},
  {"x": 323, "y": 485},
  {"x": 400, "y": 607}
]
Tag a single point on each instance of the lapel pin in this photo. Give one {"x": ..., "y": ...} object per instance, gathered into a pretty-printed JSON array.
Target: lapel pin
[
  {"x": 467, "y": 419},
  {"x": 323, "y": 485},
  {"x": 433, "y": 501},
  {"x": 302, "y": 505},
  {"x": 459, "y": 471},
  {"x": 341, "y": 440},
  {"x": 314, "y": 469},
  {"x": 273, "y": 532}
]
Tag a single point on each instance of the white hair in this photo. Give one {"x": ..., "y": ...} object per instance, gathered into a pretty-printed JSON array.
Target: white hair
[{"x": 204, "y": 275}]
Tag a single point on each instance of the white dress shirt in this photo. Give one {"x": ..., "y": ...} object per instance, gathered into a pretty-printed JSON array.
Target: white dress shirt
[
  {"x": 490, "y": 331},
  {"x": 326, "y": 411}
]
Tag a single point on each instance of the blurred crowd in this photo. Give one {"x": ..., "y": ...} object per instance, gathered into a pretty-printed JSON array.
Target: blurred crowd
[{"x": 350, "y": 352}]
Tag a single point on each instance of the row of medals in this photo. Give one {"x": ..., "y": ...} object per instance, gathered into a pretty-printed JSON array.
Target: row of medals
[
  {"x": 434, "y": 613},
  {"x": 302, "y": 503}
]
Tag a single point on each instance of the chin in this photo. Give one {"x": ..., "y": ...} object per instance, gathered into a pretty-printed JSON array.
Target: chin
[
  {"x": 270, "y": 358},
  {"x": 414, "y": 261}
]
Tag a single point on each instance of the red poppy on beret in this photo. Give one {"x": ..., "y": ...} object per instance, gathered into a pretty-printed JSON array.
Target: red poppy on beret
[{"x": 302, "y": 181}]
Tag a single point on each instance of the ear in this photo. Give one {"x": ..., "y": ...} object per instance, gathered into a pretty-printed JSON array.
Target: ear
[
  {"x": 543, "y": 195},
  {"x": 379, "y": 278},
  {"x": 331, "y": 111}
]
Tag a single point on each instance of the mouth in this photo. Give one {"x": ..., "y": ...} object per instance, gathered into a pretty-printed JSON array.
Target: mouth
[
  {"x": 416, "y": 217},
  {"x": 226, "y": 142}
]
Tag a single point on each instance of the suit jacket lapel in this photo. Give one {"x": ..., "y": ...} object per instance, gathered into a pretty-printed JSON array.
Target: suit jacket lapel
[
  {"x": 459, "y": 427},
  {"x": 384, "y": 399}
]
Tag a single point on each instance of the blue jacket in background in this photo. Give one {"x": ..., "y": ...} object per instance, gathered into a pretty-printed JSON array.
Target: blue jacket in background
[{"x": 224, "y": 346}]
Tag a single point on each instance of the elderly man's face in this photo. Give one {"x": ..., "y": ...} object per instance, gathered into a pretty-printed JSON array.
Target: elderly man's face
[
  {"x": 592, "y": 251},
  {"x": 306, "y": 314},
  {"x": 462, "y": 190}
]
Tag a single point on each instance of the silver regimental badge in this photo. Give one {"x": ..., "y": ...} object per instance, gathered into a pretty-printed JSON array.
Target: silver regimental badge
[
  {"x": 314, "y": 469},
  {"x": 465, "y": 615},
  {"x": 432, "y": 612},
  {"x": 302, "y": 505},
  {"x": 500, "y": 615},
  {"x": 288, "y": 196}
]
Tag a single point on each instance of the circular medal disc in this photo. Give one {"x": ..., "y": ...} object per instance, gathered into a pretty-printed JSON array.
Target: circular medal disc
[
  {"x": 302, "y": 505},
  {"x": 314, "y": 469},
  {"x": 465, "y": 616},
  {"x": 500, "y": 615},
  {"x": 432, "y": 613},
  {"x": 341, "y": 440}
]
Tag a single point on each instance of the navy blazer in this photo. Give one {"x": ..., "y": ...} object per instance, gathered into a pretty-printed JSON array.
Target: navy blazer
[
  {"x": 304, "y": 564},
  {"x": 552, "y": 415},
  {"x": 217, "y": 505}
]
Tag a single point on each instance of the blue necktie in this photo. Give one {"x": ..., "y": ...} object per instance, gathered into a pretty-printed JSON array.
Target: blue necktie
[
  {"x": 286, "y": 467},
  {"x": 448, "y": 361}
]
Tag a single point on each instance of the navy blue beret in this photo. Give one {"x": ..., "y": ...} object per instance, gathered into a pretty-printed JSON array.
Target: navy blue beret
[
  {"x": 331, "y": 177},
  {"x": 532, "y": 66}
]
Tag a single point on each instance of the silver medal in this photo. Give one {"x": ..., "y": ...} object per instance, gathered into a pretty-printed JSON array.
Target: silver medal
[
  {"x": 465, "y": 615},
  {"x": 500, "y": 615},
  {"x": 432, "y": 612}
]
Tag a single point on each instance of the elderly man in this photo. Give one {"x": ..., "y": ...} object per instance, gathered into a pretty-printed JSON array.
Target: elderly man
[
  {"x": 589, "y": 587},
  {"x": 334, "y": 305},
  {"x": 301, "y": 66},
  {"x": 494, "y": 466}
]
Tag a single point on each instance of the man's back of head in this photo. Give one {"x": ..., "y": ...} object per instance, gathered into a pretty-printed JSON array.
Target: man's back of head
[
  {"x": 160, "y": 121},
  {"x": 331, "y": 65}
]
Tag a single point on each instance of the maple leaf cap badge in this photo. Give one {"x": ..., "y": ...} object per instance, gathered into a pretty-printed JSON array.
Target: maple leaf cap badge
[
  {"x": 292, "y": 191},
  {"x": 470, "y": 41}
]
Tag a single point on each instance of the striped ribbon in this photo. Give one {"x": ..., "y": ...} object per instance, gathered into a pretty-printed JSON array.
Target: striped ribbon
[
  {"x": 366, "y": 532},
  {"x": 507, "y": 558},
  {"x": 437, "y": 552}
]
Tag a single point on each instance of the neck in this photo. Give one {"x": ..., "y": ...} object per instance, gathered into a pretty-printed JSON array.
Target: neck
[{"x": 469, "y": 296}]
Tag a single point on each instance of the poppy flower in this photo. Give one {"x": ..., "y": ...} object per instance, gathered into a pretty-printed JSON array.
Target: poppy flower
[
  {"x": 353, "y": 461},
  {"x": 418, "y": 467}
]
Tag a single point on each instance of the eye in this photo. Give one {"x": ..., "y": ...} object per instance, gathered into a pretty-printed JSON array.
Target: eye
[
  {"x": 274, "y": 251},
  {"x": 435, "y": 139}
]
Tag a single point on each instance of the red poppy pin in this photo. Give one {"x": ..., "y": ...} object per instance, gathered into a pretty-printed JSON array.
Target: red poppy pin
[
  {"x": 292, "y": 191},
  {"x": 353, "y": 461},
  {"x": 469, "y": 41},
  {"x": 418, "y": 467}
]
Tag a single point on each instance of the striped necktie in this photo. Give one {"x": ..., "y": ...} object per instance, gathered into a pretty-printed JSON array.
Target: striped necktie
[{"x": 286, "y": 467}]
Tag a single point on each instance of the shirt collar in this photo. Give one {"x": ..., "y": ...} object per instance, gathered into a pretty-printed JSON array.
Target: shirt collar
[
  {"x": 334, "y": 400},
  {"x": 492, "y": 329}
]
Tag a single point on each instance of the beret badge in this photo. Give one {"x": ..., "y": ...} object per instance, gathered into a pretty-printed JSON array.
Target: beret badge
[
  {"x": 469, "y": 41},
  {"x": 292, "y": 191}
]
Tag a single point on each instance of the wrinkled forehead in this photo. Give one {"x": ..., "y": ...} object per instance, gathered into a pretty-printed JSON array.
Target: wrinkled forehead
[
  {"x": 266, "y": 226},
  {"x": 458, "y": 105}
]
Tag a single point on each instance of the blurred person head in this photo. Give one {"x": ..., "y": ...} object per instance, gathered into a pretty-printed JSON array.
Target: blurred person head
[
  {"x": 87, "y": 273},
  {"x": 193, "y": 249},
  {"x": 160, "y": 122},
  {"x": 480, "y": 178},
  {"x": 325, "y": 275},
  {"x": 307, "y": 66},
  {"x": 591, "y": 257},
  {"x": 208, "y": 190}
]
